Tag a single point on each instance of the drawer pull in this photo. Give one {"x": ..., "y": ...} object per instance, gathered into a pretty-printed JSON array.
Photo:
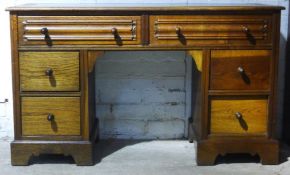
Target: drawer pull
[
  {"x": 244, "y": 76},
  {"x": 251, "y": 38},
  {"x": 115, "y": 32},
  {"x": 49, "y": 72},
  {"x": 241, "y": 70},
  {"x": 47, "y": 38},
  {"x": 50, "y": 117},
  {"x": 117, "y": 36},
  {"x": 44, "y": 31},
  {"x": 178, "y": 31},
  {"x": 246, "y": 29},
  {"x": 180, "y": 36},
  {"x": 238, "y": 115}
]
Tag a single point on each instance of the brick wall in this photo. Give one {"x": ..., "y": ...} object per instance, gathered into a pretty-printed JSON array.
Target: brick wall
[{"x": 141, "y": 94}]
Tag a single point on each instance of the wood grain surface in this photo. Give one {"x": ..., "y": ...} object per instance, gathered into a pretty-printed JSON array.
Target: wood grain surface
[
  {"x": 65, "y": 67},
  {"x": 66, "y": 111},
  {"x": 89, "y": 30},
  {"x": 179, "y": 30},
  {"x": 253, "y": 120},
  {"x": 226, "y": 76}
]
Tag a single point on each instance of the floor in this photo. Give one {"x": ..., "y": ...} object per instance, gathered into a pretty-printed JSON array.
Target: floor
[{"x": 118, "y": 157}]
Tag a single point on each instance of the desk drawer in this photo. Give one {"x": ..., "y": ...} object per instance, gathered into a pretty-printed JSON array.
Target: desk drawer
[
  {"x": 50, "y": 116},
  {"x": 82, "y": 30},
  {"x": 207, "y": 30},
  {"x": 49, "y": 71},
  {"x": 240, "y": 70},
  {"x": 238, "y": 116}
]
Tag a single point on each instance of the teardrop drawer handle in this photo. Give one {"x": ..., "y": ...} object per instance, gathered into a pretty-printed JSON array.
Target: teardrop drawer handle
[
  {"x": 47, "y": 38},
  {"x": 238, "y": 115},
  {"x": 44, "y": 31},
  {"x": 241, "y": 70},
  {"x": 114, "y": 32},
  {"x": 50, "y": 117},
  {"x": 246, "y": 29},
  {"x": 49, "y": 72},
  {"x": 178, "y": 31}
]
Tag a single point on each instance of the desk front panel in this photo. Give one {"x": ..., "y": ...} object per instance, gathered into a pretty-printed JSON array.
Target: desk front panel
[
  {"x": 210, "y": 30},
  {"x": 79, "y": 30}
]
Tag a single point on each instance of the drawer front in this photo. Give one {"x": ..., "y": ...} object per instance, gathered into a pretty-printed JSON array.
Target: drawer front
[
  {"x": 210, "y": 30},
  {"x": 87, "y": 30},
  {"x": 49, "y": 71},
  {"x": 240, "y": 70},
  {"x": 50, "y": 116},
  {"x": 238, "y": 116}
]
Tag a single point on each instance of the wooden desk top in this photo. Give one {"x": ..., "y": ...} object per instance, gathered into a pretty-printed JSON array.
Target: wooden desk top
[{"x": 147, "y": 7}]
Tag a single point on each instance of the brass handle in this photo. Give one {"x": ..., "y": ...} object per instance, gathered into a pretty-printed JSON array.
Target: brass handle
[
  {"x": 240, "y": 70},
  {"x": 114, "y": 32},
  {"x": 178, "y": 30},
  {"x": 48, "y": 72},
  {"x": 246, "y": 29},
  {"x": 50, "y": 117},
  {"x": 238, "y": 115}
]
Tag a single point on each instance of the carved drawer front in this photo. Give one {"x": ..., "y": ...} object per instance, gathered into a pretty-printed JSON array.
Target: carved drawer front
[
  {"x": 240, "y": 70},
  {"x": 238, "y": 116},
  {"x": 49, "y": 71},
  {"x": 210, "y": 30},
  {"x": 83, "y": 30},
  {"x": 50, "y": 116}
]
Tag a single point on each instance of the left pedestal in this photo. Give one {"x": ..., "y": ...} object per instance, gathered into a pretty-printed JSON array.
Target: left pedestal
[{"x": 81, "y": 151}]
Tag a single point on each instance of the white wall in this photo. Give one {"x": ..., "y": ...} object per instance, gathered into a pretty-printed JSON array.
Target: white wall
[
  {"x": 142, "y": 94},
  {"x": 6, "y": 110},
  {"x": 6, "y": 116}
]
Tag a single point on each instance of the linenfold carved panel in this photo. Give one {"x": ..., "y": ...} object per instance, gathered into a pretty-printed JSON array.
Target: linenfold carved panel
[
  {"x": 92, "y": 30},
  {"x": 188, "y": 30}
]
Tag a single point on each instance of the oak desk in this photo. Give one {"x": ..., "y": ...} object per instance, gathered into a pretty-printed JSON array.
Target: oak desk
[{"x": 55, "y": 46}]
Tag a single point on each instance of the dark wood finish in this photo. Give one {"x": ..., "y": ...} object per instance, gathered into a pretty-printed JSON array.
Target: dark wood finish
[
  {"x": 155, "y": 7},
  {"x": 241, "y": 69},
  {"x": 208, "y": 30},
  {"x": 145, "y": 29},
  {"x": 235, "y": 51},
  {"x": 64, "y": 30},
  {"x": 23, "y": 151},
  {"x": 208, "y": 150}
]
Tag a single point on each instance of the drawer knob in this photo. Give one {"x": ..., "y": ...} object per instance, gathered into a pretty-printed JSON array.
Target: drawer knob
[
  {"x": 246, "y": 29},
  {"x": 47, "y": 38},
  {"x": 115, "y": 32},
  {"x": 49, "y": 72},
  {"x": 238, "y": 115},
  {"x": 178, "y": 30},
  {"x": 44, "y": 31},
  {"x": 50, "y": 117},
  {"x": 241, "y": 70},
  {"x": 244, "y": 76}
]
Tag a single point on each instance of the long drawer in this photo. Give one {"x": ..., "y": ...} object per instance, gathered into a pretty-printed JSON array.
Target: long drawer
[
  {"x": 50, "y": 116},
  {"x": 191, "y": 30},
  {"x": 81, "y": 30}
]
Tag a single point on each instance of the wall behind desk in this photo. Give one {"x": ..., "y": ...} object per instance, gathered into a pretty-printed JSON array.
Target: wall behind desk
[{"x": 139, "y": 94}]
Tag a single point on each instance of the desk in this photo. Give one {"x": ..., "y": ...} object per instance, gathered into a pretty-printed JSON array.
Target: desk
[{"x": 55, "y": 46}]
